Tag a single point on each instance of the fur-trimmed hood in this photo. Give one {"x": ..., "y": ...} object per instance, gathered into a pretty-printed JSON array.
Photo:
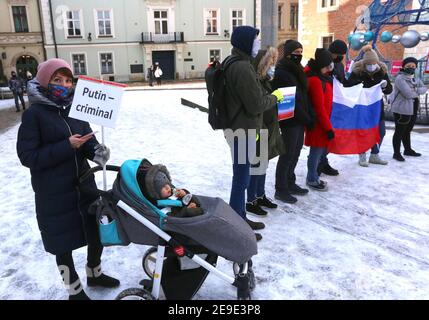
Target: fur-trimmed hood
[
  {"x": 359, "y": 68},
  {"x": 146, "y": 179}
]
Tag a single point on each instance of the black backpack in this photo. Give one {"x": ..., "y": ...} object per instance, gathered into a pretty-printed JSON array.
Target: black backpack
[{"x": 216, "y": 88}]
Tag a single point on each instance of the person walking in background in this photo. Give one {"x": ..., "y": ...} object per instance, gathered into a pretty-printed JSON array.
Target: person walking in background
[
  {"x": 370, "y": 71},
  {"x": 290, "y": 73},
  {"x": 16, "y": 85},
  {"x": 158, "y": 73},
  {"x": 265, "y": 63},
  {"x": 151, "y": 75},
  {"x": 320, "y": 89},
  {"x": 56, "y": 148},
  {"x": 338, "y": 50},
  {"x": 405, "y": 104},
  {"x": 245, "y": 101}
]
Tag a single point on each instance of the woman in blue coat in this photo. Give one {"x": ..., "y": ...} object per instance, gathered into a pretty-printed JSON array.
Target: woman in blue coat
[{"x": 56, "y": 148}]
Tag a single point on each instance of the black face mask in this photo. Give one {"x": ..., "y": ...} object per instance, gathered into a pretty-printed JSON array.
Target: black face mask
[
  {"x": 409, "y": 70},
  {"x": 296, "y": 58},
  {"x": 338, "y": 59}
]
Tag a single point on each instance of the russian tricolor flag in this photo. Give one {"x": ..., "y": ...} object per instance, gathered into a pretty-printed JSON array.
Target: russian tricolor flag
[
  {"x": 286, "y": 108},
  {"x": 355, "y": 117}
]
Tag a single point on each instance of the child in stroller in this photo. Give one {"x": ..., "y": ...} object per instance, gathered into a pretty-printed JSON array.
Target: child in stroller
[
  {"x": 200, "y": 239},
  {"x": 155, "y": 183}
]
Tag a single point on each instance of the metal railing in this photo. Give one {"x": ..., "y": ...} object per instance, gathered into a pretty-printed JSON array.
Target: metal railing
[
  {"x": 422, "y": 113},
  {"x": 150, "y": 37}
]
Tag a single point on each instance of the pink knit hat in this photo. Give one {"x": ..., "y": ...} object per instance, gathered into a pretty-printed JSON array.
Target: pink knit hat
[{"x": 47, "y": 69}]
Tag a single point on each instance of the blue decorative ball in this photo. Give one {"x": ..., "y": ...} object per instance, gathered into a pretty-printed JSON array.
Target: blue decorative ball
[
  {"x": 386, "y": 36},
  {"x": 369, "y": 35}
]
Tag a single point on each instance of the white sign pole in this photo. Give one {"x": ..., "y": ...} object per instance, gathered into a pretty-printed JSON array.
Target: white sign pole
[
  {"x": 98, "y": 102},
  {"x": 104, "y": 167}
]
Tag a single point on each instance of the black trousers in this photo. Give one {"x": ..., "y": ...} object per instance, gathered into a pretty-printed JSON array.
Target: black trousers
[
  {"x": 404, "y": 124},
  {"x": 95, "y": 249},
  {"x": 293, "y": 139}
]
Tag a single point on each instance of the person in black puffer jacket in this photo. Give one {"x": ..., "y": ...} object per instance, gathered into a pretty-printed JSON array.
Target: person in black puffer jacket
[
  {"x": 56, "y": 147},
  {"x": 289, "y": 73}
]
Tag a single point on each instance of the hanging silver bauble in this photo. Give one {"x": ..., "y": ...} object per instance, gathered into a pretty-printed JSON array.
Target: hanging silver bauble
[
  {"x": 410, "y": 39},
  {"x": 396, "y": 38},
  {"x": 424, "y": 36}
]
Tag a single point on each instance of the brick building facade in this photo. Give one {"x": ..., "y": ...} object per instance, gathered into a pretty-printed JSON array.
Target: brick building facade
[{"x": 322, "y": 21}]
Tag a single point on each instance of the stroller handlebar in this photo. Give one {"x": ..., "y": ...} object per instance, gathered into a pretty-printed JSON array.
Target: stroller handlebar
[
  {"x": 97, "y": 192},
  {"x": 95, "y": 169}
]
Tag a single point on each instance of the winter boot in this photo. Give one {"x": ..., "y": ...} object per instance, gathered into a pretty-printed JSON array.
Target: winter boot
[
  {"x": 297, "y": 190},
  {"x": 258, "y": 236},
  {"x": 266, "y": 202},
  {"x": 255, "y": 225},
  {"x": 399, "y": 157},
  {"x": 253, "y": 207},
  {"x": 362, "y": 160},
  {"x": 96, "y": 278},
  {"x": 375, "y": 159},
  {"x": 318, "y": 186},
  {"x": 285, "y": 196},
  {"x": 329, "y": 171},
  {"x": 412, "y": 153}
]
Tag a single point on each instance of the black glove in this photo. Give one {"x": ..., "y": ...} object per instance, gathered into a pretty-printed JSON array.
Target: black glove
[{"x": 330, "y": 134}]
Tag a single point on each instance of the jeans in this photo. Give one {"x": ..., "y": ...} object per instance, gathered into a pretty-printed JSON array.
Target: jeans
[
  {"x": 256, "y": 188},
  {"x": 293, "y": 139},
  {"x": 313, "y": 161},
  {"x": 240, "y": 182},
  {"x": 382, "y": 128}
]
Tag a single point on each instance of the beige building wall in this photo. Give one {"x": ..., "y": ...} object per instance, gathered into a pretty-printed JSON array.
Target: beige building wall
[
  {"x": 14, "y": 45},
  {"x": 287, "y": 30}
]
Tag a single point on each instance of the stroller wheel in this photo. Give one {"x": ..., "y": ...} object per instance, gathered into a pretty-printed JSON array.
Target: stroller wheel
[
  {"x": 135, "y": 294},
  {"x": 149, "y": 261}
]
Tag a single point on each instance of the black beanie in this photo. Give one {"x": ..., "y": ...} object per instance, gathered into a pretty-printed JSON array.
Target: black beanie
[
  {"x": 408, "y": 60},
  {"x": 323, "y": 58},
  {"x": 338, "y": 47},
  {"x": 290, "y": 46}
]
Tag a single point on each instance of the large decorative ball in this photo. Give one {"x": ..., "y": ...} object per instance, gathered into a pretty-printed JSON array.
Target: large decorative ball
[
  {"x": 396, "y": 38},
  {"x": 386, "y": 36},
  {"x": 410, "y": 39},
  {"x": 357, "y": 41},
  {"x": 369, "y": 35}
]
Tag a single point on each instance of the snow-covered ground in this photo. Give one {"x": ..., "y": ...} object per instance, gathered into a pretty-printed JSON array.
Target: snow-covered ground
[
  {"x": 9, "y": 103},
  {"x": 366, "y": 238}
]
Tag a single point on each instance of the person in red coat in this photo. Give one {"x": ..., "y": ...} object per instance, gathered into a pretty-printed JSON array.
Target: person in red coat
[{"x": 320, "y": 91}]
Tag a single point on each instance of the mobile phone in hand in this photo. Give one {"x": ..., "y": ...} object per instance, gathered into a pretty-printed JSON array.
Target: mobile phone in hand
[{"x": 89, "y": 135}]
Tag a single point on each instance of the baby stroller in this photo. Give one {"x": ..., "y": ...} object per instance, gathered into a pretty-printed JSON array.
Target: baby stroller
[{"x": 184, "y": 250}]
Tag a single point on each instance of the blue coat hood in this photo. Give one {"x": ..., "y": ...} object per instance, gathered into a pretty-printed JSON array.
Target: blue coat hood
[{"x": 242, "y": 38}]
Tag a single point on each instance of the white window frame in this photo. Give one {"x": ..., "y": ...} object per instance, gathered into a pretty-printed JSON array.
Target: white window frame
[
  {"x": 324, "y": 35},
  {"x": 231, "y": 18},
  {"x": 12, "y": 22},
  {"x": 170, "y": 15},
  {"x": 72, "y": 63},
  {"x": 113, "y": 62},
  {"x": 220, "y": 53},
  {"x": 205, "y": 15},
  {"x": 160, "y": 19},
  {"x": 112, "y": 23},
  {"x": 65, "y": 19},
  {"x": 329, "y": 7}
]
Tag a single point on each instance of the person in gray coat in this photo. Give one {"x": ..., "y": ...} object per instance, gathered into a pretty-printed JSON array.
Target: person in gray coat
[{"x": 405, "y": 103}]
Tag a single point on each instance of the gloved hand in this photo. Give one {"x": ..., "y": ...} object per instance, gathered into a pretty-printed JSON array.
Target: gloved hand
[
  {"x": 278, "y": 94},
  {"x": 383, "y": 84},
  {"x": 102, "y": 154},
  {"x": 330, "y": 134}
]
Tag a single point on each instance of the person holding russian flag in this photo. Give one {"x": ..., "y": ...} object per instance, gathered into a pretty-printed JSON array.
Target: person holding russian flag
[
  {"x": 320, "y": 90},
  {"x": 370, "y": 71}
]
